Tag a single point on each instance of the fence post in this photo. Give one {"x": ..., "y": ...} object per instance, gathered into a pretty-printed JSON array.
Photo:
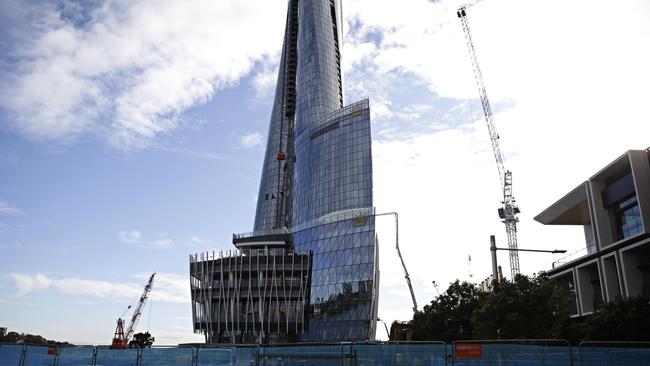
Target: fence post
[
  {"x": 453, "y": 353},
  {"x": 23, "y": 355},
  {"x": 93, "y": 362},
  {"x": 580, "y": 352},
  {"x": 56, "y": 356}
]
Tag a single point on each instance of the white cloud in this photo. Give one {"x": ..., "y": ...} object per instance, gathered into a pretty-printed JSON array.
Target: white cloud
[
  {"x": 574, "y": 94},
  {"x": 251, "y": 140},
  {"x": 127, "y": 70},
  {"x": 130, "y": 236},
  {"x": 162, "y": 243},
  {"x": 201, "y": 242},
  {"x": 265, "y": 79},
  {"x": 7, "y": 209},
  {"x": 10, "y": 245},
  {"x": 168, "y": 287},
  {"x": 134, "y": 236},
  {"x": 28, "y": 283}
]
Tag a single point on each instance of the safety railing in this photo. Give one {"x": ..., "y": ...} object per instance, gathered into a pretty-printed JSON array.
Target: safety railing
[{"x": 534, "y": 352}]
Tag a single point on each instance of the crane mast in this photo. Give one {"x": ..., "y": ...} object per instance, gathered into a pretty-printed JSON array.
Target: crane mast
[
  {"x": 121, "y": 339},
  {"x": 507, "y": 213}
]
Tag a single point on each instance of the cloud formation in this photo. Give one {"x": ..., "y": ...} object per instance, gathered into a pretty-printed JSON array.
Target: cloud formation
[
  {"x": 129, "y": 236},
  {"x": 7, "y": 209},
  {"x": 251, "y": 140},
  {"x": 127, "y": 70},
  {"x": 568, "y": 99},
  {"x": 168, "y": 287},
  {"x": 135, "y": 237}
]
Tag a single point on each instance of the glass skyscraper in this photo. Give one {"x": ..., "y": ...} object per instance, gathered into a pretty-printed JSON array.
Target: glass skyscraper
[{"x": 315, "y": 197}]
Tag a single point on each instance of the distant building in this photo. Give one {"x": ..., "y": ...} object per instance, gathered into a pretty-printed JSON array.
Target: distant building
[
  {"x": 613, "y": 206},
  {"x": 314, "y": 209}
]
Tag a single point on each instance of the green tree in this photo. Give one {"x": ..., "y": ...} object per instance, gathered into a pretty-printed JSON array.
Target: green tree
[
  {"x": 528, "y": 307},
  {"x": 142, "y": 340},
  {"x": 449, "y": 316},
  {"x": 15, "y": 337},
  {"x": 620, "y": 320}
]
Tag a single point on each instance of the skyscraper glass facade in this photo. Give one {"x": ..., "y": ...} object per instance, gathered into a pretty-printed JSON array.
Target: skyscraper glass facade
[
  {"x": 333, "y": 219},
  {"x": 326, "y": 191},
  {"x": 315, "y": 189}
]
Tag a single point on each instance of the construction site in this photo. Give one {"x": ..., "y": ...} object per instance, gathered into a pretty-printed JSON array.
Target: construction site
[{"x": 302, "y": 288}]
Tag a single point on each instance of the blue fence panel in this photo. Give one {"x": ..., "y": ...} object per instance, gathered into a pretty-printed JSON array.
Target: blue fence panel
[
  {"x": 399, "y": 354},
  {"x": 215, "y": 357},
  {"x": 75, "y": 356},
  {"x": 474, "y": 354},
  {"x": 116, "y": 357},
  {"x": 10, "y": 354},
  {"x": 245, "y": 356},
  {"x": 166, "y": 357},
  {"x": 38, "y": 356},
  {"x": 319, "y": 355},
  {"x": 606, "y": 356},
  {"x": 518, "y": 355}
]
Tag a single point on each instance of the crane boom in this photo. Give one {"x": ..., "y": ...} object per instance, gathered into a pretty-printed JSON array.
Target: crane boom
[
  {"x": 508, "y": 213},
  {"x": 138, "y": 309},
  {"x": 121, "y": 339}
]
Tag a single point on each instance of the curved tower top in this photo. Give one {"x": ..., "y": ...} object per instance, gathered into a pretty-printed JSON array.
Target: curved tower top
[
  {"x": 319, "y": 84},
  {"x": 309, "y": 88},
  {"x": 274, "y": 197}
]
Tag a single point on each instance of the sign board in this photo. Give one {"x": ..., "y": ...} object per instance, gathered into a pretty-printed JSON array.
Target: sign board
[
  {"x": 468, "y": 351},
  {"x": 51, "y": 351}
]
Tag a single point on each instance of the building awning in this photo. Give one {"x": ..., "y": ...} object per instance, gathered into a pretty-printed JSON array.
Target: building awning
[{"x": 572, "y": 209}]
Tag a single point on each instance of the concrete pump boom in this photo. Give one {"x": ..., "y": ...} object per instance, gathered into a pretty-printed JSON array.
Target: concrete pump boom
[{"x": 508, "y": 213}]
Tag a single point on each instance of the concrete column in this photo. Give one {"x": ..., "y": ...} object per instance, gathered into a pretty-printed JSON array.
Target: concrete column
[
  {"x": 641, "y": 174},
  {"x": 602, "y": 221}
]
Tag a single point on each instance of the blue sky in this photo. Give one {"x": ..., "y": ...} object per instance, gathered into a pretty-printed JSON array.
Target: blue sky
[{"x": 132, "y": 134}]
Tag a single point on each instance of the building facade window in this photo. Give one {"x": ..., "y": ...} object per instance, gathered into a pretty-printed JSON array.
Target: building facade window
[{"x": 628, "y": 218}]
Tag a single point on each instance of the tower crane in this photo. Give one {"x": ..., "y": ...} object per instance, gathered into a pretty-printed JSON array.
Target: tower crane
[
  {"x": 508, "y": 212},
  {"x": 121, "y": 339}
]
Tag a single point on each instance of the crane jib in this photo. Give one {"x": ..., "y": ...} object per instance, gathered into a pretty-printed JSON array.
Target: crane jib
[{"x": 508, "y": 213}]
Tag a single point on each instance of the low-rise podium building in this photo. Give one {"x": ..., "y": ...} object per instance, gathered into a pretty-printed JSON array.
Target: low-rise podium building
[{"x": 613, "y": 207}]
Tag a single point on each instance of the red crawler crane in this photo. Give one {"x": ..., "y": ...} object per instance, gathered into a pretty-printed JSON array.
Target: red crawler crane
[{"x": 121, "y": 339}]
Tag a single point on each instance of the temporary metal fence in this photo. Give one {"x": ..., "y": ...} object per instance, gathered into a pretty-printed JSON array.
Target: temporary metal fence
[
  {"x": 462, "y": 353},
  {"x": 547, "y": 352},
  {"x": 614, "y": 353}
]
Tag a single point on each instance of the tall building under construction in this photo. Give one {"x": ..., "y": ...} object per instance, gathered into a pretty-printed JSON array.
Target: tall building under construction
[{"x": 308, "y": 271}]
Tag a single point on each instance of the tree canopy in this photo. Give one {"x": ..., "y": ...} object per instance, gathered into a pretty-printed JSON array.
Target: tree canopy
[
  {"x": 525, "y": 308},
  {"x": 142, "y": 340},
  {"x": 528, "y": 307},
  {"x": 449, "y": 316},
  {"x": 15, "y": 337},
  {"x": 622, "y": 320}
]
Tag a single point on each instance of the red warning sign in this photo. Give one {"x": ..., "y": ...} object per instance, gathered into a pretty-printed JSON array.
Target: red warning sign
[
  {"x": 468, "y": 351},
  {"x": 51, "y": 351}
]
